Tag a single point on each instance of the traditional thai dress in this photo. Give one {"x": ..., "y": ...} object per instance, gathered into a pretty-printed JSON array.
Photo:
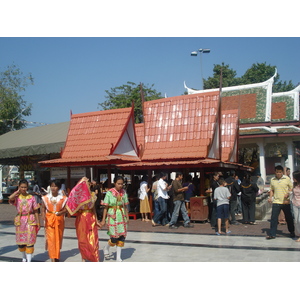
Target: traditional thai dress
[
  {"x": 54, "y": 225},
  {"x": 116, "y": 219},
  {"x": 26, "y": 226},
  {"x": 81, "y": 201}
]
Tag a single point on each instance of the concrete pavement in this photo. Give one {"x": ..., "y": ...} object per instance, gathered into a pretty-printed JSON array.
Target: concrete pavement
[
  {"x": 145, "y": 243},
  {"x": 166, "y": 247}
]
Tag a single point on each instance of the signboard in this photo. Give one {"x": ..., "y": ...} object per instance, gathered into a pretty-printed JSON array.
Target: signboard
[{"x": 61, "y": 173}]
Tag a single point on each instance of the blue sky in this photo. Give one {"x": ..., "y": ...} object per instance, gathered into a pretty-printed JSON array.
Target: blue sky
[{"x": 73, "y": 73}]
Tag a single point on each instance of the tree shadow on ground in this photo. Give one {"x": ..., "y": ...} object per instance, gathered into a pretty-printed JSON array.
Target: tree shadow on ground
[
  {"x": 6, "y": 249},
  {"x": 7, "y": 223},
  {"x": 64, "y": 255}
]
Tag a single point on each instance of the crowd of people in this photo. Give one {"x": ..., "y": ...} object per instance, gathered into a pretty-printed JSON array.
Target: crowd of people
[
  {"x": 227, "y": 197},
  {"x": 79, "y": 202}
]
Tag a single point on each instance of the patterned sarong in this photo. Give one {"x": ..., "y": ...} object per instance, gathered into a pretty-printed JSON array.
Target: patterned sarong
[{"x": 78, "y": 197}]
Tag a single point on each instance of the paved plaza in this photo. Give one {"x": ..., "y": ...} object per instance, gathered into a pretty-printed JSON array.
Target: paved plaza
[{"x": 160, "y": 244}]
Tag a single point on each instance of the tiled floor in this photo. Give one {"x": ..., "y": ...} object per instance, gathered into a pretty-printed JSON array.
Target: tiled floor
[{"x": 145, "y": 243}]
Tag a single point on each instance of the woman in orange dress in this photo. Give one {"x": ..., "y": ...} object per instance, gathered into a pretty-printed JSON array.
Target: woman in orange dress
[
  {"x": 54, "y": 215},
  {"x": 27, "y": 220},
  {"x": 81, "y": 201}
]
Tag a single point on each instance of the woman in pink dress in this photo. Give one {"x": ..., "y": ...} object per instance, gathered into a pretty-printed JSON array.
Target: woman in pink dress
[
  {"x": 81, "y": 202},
  {"x": 27, "y": 220}
]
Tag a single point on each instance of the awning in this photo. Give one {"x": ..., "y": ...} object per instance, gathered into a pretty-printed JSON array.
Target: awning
[
  {"x": 199, "y": 163},
  {"x": 45, "y": 139}
]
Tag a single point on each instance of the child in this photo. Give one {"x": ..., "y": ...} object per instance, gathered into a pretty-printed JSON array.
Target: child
[
  {"x": 222, "y": 196},
  {"x": 115, "y": 214},
  {"x": 296, "y": 202},
  {"x": 54, "y": 215},
  {"x": 27, "y": 220},
  {"x": 144, "y": 202}
]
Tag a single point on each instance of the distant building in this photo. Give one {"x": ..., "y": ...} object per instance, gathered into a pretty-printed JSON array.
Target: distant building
[{"x": 269, "y": 132}]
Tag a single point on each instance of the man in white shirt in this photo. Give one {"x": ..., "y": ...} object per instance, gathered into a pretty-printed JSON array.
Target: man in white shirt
[{"x": 162, "y": 192}]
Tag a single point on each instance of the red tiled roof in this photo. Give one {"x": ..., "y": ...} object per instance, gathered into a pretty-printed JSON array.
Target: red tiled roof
[
  {"x": 140, "y": 134},
  {"x": 179, "y": 127},
  {"x": 177, "y": 130},
  {"x": 229, "y": 132},
  {"x": 92, "y": 136}
]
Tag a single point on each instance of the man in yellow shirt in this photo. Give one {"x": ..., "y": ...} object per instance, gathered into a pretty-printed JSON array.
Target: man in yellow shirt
[{"x": 281, "y": 185}]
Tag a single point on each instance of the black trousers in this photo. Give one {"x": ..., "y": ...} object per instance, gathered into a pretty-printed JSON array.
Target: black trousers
[
  {"x": 232, "y": 209},
  {"x": 213, "y": 217},
  {"x": 248, "y": 211},
  {"x": 276, "y": 208}
]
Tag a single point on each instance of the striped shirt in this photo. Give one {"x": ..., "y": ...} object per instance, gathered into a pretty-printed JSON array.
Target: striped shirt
[{"x": 280, "y": 187}]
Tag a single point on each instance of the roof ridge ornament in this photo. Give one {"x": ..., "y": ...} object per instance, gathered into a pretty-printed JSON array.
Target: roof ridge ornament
[{"x": 194, "y": 91}]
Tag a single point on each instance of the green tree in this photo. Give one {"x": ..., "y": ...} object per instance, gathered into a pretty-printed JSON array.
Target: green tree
[
  {"x": 123, "y": 96},
  {"x": 258, "y": 72},
  {"x": 12, "y": 105},
  {"x": 228, "y": 77}
]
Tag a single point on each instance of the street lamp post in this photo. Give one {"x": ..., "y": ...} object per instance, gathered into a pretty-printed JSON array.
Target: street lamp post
[{"x": 195, "y": 53}]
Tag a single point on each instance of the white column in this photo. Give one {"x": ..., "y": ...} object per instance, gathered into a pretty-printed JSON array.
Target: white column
[
  {"x": 290, "y": 149},
  {"x": 262, "y": 163},
  {"x": 92, "y": 174}
]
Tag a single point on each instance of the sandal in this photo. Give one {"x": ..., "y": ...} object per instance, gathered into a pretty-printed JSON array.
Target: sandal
[
  {"x": 253, "y": 223},
  {"x": 107, "y": 256}
]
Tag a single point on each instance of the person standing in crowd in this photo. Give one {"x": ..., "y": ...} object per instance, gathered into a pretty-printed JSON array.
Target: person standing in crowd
[
  {"x": 36, "y": 191},
  {"x": 234, "y": 189},
  {"x": 260, "y": 183},
  {"x": 154, "y": 195},
  {"x": 63, "y": 187},
  {"x": 27, "y": 221},
  {"x": 222, "y": 196},
  {"x": 162, "y": 192},
  {"x": 115, "y": 215},
  {"x": 288, "y": 172},
  {"x": 190, "y": 192},
  {"x": 97, "y": 190},
  {"x": 281, "y": 217},
  {"x": 179, "y": 205},
  {"x": 81, "y": 201},
  {"x": 214, "y": 184},
  {"x": 248, "y": 196},
  {"x": 281, "y": 186},
  {"x": 296, "y": 202},
  {"x": 238, "y": 210},
  {"x": 53, "y": 213},
  {"x": 144, "y": 201}
]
